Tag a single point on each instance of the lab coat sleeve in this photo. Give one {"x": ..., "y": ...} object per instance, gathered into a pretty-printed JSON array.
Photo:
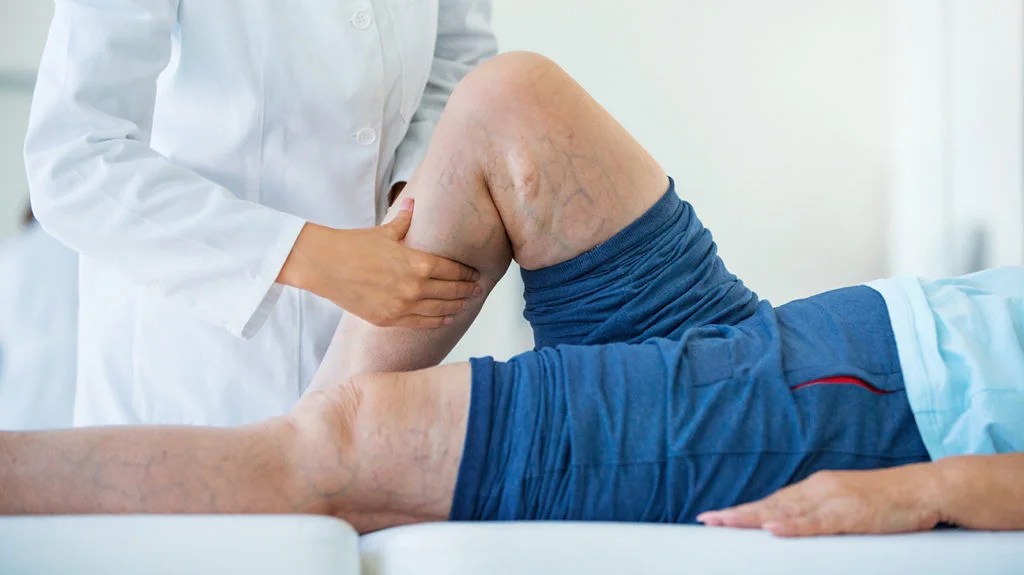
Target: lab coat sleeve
[
  {"x": 98, "y": 186},
  {"x": 464, "y": 39}
]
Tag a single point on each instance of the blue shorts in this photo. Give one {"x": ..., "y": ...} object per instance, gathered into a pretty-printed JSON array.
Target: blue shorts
[{"x": 687, "y": 394}]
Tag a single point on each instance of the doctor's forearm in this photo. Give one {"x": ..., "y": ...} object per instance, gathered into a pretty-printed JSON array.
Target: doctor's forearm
[{"x": 151, "y": 470}]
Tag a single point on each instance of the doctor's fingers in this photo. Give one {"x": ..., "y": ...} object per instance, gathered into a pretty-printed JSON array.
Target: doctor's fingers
[
  {"x": 437, "y": 307},
  {"x": 421, "y": 321},
  {"x": 446, "y": 290},
  {"x": 444, "y": 269}
]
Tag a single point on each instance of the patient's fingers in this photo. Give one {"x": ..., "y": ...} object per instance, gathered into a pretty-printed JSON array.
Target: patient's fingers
[
  {"x": 749, "y": 516},
  {"x": 785, "y": 503},
  {"x": 805, "y": 526},
  {"x": 878, "y": 501},
  {"x": 759, "y": 516}
]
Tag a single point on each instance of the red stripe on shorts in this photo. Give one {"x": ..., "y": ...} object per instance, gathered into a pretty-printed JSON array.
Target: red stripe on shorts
[{"x": 841, "y": 380}]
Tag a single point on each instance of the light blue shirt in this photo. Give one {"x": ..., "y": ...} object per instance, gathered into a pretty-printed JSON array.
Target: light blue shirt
[{"x": 961, "y": 346}]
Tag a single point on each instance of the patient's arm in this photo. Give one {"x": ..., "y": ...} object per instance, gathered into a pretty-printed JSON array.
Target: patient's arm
[
  {"x": 974, "y": 491},
  {"x": 152, "y": 470},
  {"x": 982, "y": 491}
]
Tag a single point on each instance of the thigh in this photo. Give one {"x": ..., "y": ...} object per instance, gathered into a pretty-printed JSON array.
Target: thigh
[
  {"x": 657, "y": 277},
  {"x": 663, "y": 430}
]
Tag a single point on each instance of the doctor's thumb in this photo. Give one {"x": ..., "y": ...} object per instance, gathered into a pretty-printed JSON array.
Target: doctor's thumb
[{"x": 399, "y": 226}]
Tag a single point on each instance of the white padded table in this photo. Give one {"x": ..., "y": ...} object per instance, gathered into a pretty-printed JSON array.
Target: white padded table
[
  {"x": 179, "y": 544},
  {"x": 598, "y": 548},
  {"x": 303, "y": 545}
]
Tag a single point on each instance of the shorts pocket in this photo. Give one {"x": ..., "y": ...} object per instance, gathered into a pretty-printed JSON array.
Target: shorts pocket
[{"x": 709, "y": 355}]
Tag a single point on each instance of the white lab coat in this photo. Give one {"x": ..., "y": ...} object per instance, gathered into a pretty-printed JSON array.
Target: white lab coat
[
  {"x": 180, "y": 145},
  {"x": 38, "y": 318}
]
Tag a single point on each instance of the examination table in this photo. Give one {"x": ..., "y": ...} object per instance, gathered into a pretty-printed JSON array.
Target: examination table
[{"x": 306, "y": 545}]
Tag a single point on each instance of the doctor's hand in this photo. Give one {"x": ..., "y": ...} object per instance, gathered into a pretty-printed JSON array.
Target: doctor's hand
[{"x": 372, "y": 274}]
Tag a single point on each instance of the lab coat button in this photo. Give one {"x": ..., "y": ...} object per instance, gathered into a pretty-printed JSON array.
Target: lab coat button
[
  {"x": 361, "y": 20},
  {"x": 366, "y": 136}
]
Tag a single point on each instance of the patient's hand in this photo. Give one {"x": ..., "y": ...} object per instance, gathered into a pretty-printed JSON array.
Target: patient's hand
[
  {"x": 973, "y": 491},
  {"x": 892, "y": 500}
]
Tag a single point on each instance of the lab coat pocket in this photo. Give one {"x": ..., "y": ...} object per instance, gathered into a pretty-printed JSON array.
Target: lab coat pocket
[
  {"x": 187, "y": 371},
  {"x": 416, "y": 27}
]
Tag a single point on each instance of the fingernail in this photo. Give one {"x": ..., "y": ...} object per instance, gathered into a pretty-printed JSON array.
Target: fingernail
[
  {"x": 710, "y": 519},
  {"x": 448, "y": 320},
  {"x": 477, "y": 291},
  {"x": 407, "y": 205}
]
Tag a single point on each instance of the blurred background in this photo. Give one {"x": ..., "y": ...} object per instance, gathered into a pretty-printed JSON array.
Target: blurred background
[{"x": 824, "y": 143}]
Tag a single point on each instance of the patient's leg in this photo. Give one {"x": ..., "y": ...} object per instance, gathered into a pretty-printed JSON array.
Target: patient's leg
[
  {"x": 523, "y": 164},
  {"x": 378, "y": 450},
  {"x": 131, "y": 469}
]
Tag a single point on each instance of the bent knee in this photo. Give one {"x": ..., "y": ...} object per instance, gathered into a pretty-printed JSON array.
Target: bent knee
[
  {"x": 400, "y": 413},
  {"x": 508, "y": 86},
  {"x": 517, "y": 66},
  {"x": 407, "y": 437},
  {"x": 520, "y": 99}
]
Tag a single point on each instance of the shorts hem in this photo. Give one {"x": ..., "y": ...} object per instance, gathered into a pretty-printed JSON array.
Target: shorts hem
[
  {"x": 641, "y": 230},
  {"x": 478, "y": 434}
]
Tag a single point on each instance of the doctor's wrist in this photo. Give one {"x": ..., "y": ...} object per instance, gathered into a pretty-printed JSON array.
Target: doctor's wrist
[{"x": 301, "y": 268}]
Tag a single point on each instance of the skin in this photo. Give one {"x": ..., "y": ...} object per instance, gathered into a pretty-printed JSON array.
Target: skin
[
  {"x": 371, "y": 273},
  {"x": 974, "y": 491},
  {"x": 523, "y": 164}
]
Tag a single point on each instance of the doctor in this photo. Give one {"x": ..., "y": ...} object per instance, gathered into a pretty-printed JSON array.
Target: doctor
[
  {"x": 219, "y": 166},
  {"x": 38, "y": 329}
]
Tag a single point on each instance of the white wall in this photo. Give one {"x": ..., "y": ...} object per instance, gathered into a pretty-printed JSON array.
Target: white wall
[
  {"x": 14, "y": 106},
  {"x": 957, "y": 88},
  {"x": 22, "y": 34},
  {"x": 770, "y": 115}
]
